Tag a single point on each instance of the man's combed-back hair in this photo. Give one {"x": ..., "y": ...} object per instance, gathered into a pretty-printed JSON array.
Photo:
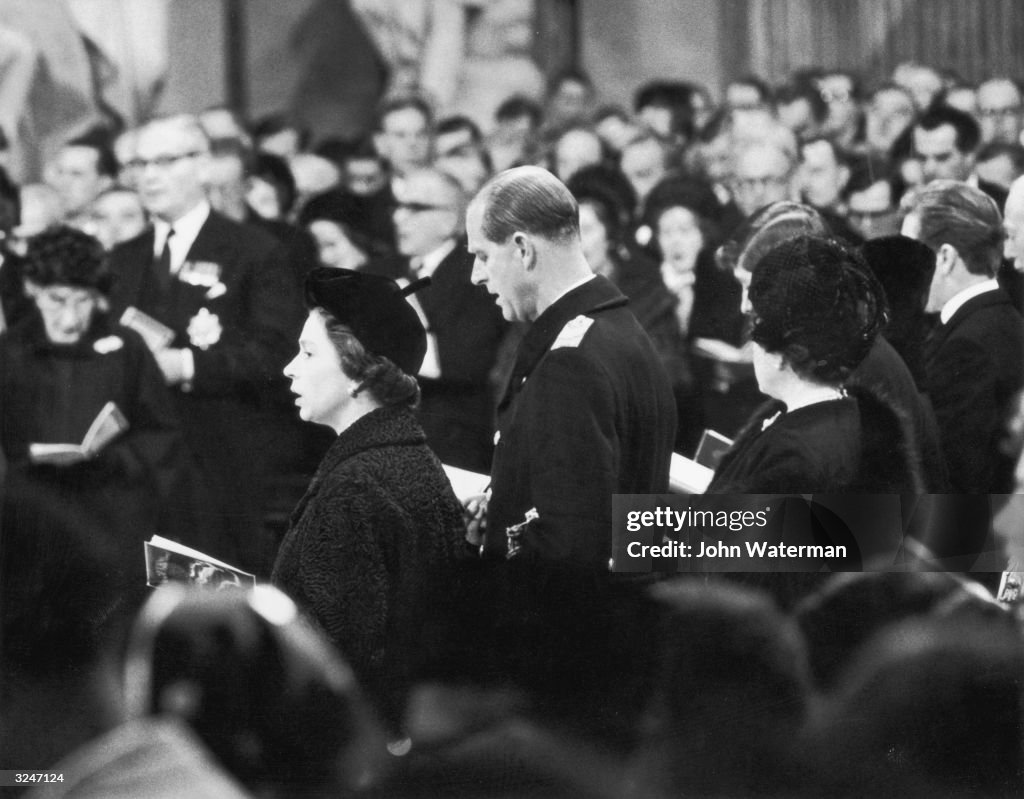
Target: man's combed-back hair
[
  {"x": 531, "y": 200},
  {"x": 952, "y": 212}
]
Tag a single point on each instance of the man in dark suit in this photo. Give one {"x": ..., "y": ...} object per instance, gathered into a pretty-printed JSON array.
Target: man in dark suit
[
  {"x": 589, "y": 410},
  {"x": 974, "y": 359},
  {"x": 234, "y": 311},
  {"x": 464, "y": 328}
]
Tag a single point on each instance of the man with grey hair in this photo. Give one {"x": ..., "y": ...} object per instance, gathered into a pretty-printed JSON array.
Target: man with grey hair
[
  {"x": 233, "y": 314},
  {"x": 974, "y": 359},
  {"x": 588, "y": 411},
  {"x": 762, "y": 174}
]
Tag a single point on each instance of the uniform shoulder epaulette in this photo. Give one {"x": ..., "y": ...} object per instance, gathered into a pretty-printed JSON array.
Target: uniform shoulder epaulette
[{"x": 572, "y": 334}]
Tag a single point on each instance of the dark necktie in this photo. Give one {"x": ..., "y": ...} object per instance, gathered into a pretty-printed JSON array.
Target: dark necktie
[{"x": 162, "y": 265}]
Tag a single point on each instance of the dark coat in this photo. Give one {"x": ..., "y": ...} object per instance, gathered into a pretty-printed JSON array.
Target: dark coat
[
  {"x": 457, "y": 409},
  {"x": 885, "y": 373},
  {"x": 857, "y": 444},
  {"x": 52, "y": 393},
  {"x": 654, "y": 306},
  {"x": 377, "y": 524},
  {"x": 260, "y": 313},
  {"x": 588, "y": 413},
  {"x": 975, "y": 366}
]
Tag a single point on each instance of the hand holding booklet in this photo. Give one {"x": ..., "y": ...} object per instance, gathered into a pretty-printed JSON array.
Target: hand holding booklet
[
  {"x": 107, "y": 426},
  {"x": 692, "y": 476},
  {"x": 155, "y": 333},
  {"x": 168, "y": 561}
]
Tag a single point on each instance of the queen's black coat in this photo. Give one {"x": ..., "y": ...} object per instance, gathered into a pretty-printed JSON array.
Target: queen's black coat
[
  {"x": 581, "y": 420},
  {"x": 378, "y": 524}
]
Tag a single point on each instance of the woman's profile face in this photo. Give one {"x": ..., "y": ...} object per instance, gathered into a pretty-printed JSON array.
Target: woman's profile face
[
  {"x": 680, "y": 238},
  {"x": 336, "y": 249},
  {"x": 322, "y": 389},
  {"x": 67, "y": 311},
  {"x": 593, "y": 237}
]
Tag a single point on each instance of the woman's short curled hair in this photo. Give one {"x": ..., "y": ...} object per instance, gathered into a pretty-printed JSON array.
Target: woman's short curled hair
[
  {"x": 64, "y": 256},
  {"x": 816, "y": 303},
  {"x": 384, "y": 381},
  {"x": 528, "y": 199}
]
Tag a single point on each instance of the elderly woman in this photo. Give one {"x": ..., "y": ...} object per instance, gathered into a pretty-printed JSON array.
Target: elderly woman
[
  {"x": 379, "y": 521},
  {"x": 62, "y": 367},
  {"x": 816, "y": 311}
]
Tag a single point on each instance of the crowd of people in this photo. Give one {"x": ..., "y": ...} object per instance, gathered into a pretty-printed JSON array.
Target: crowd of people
[{"x": 268, "y": 349}]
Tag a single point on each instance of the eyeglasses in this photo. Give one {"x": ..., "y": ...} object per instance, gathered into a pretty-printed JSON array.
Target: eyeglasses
[
  {"x": 416, "y": 208},
  {"x": 1011, "y": 111},
  {"x": 836, "y": 95},
  {"x": 161, "y": 161},
  {"x": 759, "y": 182}
]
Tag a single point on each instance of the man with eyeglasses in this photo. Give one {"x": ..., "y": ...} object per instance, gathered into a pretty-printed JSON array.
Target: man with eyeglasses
[
  {"x": 232, "y": 310},
  {"x": 1000, "y": 107},
  {"x": 464, "y": 327},
  {"x": 762, "y": 174}
]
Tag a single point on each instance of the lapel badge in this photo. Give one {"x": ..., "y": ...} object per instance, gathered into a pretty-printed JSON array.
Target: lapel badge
[{"x": 514, "y": 534}]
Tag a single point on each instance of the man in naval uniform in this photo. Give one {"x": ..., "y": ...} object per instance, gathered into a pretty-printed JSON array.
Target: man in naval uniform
[{"x": 588, "y": 410}]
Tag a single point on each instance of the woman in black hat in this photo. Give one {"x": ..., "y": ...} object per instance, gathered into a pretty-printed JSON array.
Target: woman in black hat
[
  {"x": 379, "y": 522},
  {"x": 816, "y": 311},
  {"x": 67, "y": 368}
]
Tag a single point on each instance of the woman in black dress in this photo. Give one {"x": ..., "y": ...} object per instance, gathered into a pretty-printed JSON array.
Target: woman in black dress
[
  {"x": 60, "y": 367},
  {"x": 816, "y": 311},
  {"x": 379, "y": 522}
]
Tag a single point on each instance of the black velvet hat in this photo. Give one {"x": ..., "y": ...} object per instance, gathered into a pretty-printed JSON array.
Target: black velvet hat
[{"x": 375, "y": 308}]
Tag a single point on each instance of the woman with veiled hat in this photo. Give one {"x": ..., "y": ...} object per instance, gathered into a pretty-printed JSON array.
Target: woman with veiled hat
[
  {"x": 816, "y": 311},
  {"x": 379, "y": 520}
]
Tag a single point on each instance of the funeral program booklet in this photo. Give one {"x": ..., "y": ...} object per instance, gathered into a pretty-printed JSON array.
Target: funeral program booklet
[
  {"x": 169, "y": 561},
  {"x": 107, "y": 426}
]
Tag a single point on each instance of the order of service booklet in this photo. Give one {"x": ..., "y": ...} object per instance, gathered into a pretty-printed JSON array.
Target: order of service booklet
[
  {"x": 155, "y": 333},
  {"x": 168, "y": 561},
  {"x": 108, "y": 425}
]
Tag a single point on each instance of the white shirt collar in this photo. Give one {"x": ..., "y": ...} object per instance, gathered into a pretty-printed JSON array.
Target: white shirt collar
[
  {"x": 432, "y": 260},
  {"x": 957, "y": 300},
  {"x": 186, "y": 230}
]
